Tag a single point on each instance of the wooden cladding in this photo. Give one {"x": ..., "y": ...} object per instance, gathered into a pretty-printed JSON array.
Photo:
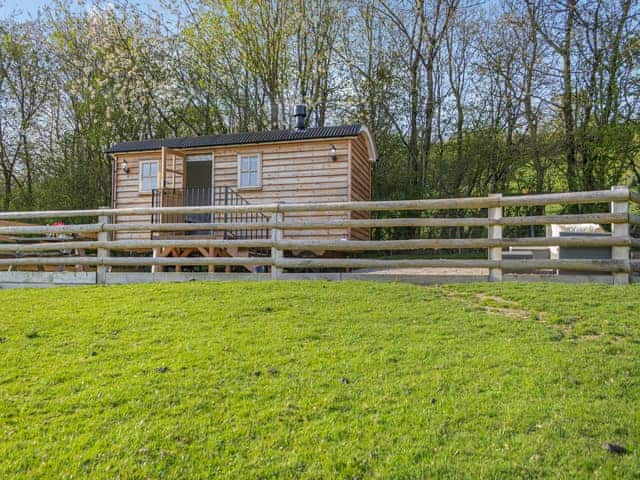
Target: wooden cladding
[
  {"x": 360, "y": 183},
  {"x": 290, "y": 172}
]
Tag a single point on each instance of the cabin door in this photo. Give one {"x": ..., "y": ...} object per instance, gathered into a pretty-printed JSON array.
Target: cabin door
[{"x": 198, "y": 186}]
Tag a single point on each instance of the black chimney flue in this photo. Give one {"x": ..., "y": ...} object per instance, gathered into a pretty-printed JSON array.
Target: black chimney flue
[{"x": 301, "y": 115}]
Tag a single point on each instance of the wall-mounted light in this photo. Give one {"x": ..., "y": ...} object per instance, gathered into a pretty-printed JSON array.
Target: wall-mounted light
[
  {"x": 334, "y": 153},
  {"x": 124, "y": 166}
]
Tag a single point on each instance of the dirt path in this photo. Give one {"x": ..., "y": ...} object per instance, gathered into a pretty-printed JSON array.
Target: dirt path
[{"x": 427, "y": 271}]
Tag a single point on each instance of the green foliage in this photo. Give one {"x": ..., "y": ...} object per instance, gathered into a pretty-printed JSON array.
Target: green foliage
[
  {"x": 461, "y": 100},
  {"x": 391, "y": 173},
  {"x": 319, "y": 380}
]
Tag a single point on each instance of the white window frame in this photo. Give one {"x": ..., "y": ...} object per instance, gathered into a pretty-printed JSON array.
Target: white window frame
[
  {"x": 140, "y": 167},
  {"x": 259, "y": 172}
]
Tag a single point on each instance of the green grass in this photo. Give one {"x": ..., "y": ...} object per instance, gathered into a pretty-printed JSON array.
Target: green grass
[{"x": 320, "y": 380}]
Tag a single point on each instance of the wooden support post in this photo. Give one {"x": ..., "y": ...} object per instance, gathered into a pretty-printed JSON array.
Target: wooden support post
[
  {"x": 495, "y": 233},
  {"x": 211, "y": 268},
  {"x": 157, "y": 253},
  {"x": 276, "y": 236},
  {"x": 620, "y": 230},
  {"x": 101, "y": 270},
  {"x": 173, "y": 170},
  {"x": 163, "y": 168}
]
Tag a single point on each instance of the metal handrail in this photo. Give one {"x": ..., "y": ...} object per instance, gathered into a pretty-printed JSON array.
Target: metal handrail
[{"x": 208, "y": 196}]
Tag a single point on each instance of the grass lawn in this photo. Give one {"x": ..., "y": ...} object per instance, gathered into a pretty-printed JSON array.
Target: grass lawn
[{"x": 320, "y": 380}]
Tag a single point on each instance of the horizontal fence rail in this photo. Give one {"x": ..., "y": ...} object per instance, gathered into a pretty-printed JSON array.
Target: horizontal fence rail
[
  {"x": 329, "y": 245},
  {"x": 524, "y": 265},
  {"x": 133, "y": 245},
  {"x": 91, "y": 244},
  {"x": 572, "y": 198},
  {"x": 314, "y": 224},
  {"x": 137, "y": 261}
]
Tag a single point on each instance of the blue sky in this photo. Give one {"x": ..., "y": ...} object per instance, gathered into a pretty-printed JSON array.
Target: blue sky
[
  {"x": 25, "y": 6},
  {"x": 29, "y": 8}
]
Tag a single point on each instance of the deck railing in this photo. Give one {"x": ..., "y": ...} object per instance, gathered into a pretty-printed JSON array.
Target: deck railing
[
  {"x": 619, "y": 269},
  {"x": 202, "y": 197}
]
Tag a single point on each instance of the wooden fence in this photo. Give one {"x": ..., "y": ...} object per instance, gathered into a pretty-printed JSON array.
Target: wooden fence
[{"x": 351, "y": 254}]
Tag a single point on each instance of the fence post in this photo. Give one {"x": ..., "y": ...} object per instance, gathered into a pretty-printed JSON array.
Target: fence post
[
  {"x": 276, "y": 236},
  {"x": 101, "y": 270},
  {"x": 156, "y": 254},
  {"x": 620, "y": 230},
  {"x": 495, "y": 233}
]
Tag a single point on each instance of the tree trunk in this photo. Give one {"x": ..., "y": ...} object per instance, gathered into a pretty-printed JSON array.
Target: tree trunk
[
  {"x": 429, "y": 116},
  {"x": 413, "y": 120},
  {"x": 274, "y": 110},
  {"x": 6, "y": 201},
  {"x": 567, "y": 100}
]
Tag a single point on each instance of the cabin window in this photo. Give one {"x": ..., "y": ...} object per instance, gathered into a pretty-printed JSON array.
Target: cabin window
[
  {"x": 249, "y": 173},
  {"x": 148, "y": 176}
]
